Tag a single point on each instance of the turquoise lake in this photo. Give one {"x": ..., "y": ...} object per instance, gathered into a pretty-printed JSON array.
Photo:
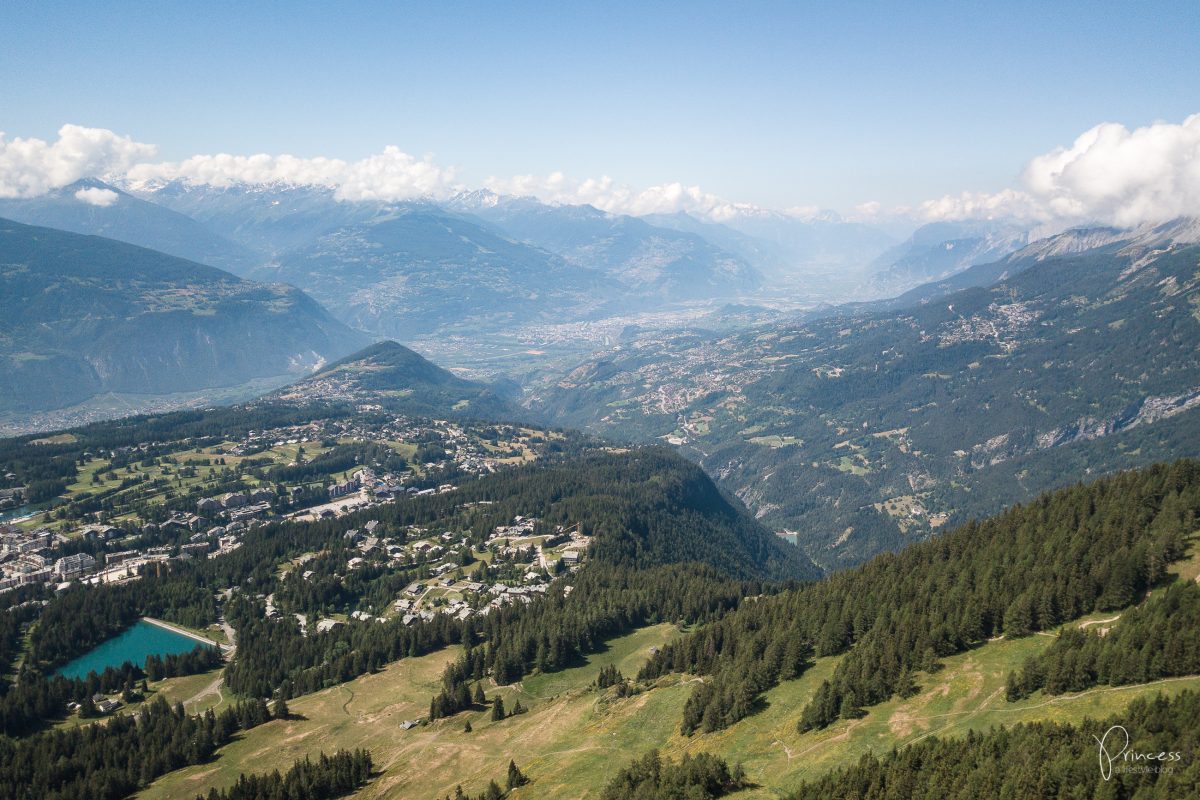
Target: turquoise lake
[{"x": 133, "y": 645}]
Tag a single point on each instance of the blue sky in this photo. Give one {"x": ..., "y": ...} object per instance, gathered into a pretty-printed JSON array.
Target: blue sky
[{"x": 826, "y": 104}]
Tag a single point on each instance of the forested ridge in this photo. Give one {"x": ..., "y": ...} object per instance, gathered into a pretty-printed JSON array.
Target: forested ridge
[
  {"x": 549, "y": 634},
  {"x": 1093, "y": 547},
  {"x": 1153, "y": 641},
  {"x": 645, "y": 511}
]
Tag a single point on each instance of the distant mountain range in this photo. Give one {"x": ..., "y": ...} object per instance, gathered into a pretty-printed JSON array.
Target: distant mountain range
[
  {"x": 942, "y": 249},
  {"x": 814, "y": 256},
  {"x": 647, "y": 260},
  {"x": 93, "y": 207},
  {"x": 269, "y": 220},
  {"x": 82, "y": 316},
  {"x": 868, "y": 427},
  {"x": 420, "y": 269},
  {"x": 475, "y": 263}
]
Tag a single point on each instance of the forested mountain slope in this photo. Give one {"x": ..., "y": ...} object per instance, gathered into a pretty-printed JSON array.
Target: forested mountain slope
[
  {"x": 1081, "y": 361},
  {"x": 82, "y": 315},
  {"x": 587, "y": 721},
  {"x": 1095, "y": 547}
]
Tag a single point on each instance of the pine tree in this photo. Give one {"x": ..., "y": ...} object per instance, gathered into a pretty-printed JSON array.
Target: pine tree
[
  {"x": 281, "y": 709},
  {"x": 467, "y": 727},
  {"x": 498, "y": 709},
  {"x": 515, "y": 776}
]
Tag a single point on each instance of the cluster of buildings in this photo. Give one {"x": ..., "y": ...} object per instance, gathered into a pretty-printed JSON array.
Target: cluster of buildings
[
  {"x": 463, "y": 597},
  {"x": 29, "y": 557},
  {"x": 237, "y": 506}
]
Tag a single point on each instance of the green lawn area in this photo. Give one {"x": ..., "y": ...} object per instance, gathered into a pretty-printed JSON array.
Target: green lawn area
[
  {"x": 429, "y": 761},
  {"x": 176, "y": 483}
]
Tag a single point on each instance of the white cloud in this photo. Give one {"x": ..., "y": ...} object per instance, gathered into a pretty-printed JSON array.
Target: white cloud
[
  {"x": 607, "y": 195},
  {"x": 1110, "y": 174},
  {"x": 387, "y": 176},
  {"x": 32, "y": 167},
  {"x": 95, "y": 196}
]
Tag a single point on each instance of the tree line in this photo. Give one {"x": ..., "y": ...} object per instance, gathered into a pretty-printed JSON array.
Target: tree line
[
  {"x": 652, "y": 777},
  {"x": 112, "y": 760},
  {"x": 1147, "y": 643},
  {"x": 324, "y": 779},
  {"x": 1040, "y": 759},
  {"x": 1086, "y": 548}
]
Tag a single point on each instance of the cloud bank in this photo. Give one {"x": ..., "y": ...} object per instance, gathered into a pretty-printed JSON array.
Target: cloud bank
[
  {"x": 388, "y": 176},
  {"x": 32, "y": 167},
  {"x": 1109, "y": 174},
  {"x": 607, "y": 195}
]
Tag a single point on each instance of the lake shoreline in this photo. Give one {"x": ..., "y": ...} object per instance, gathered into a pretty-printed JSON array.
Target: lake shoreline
[
  {"x": 184, "y": 632},
  {"x": 144, "y": 638}
]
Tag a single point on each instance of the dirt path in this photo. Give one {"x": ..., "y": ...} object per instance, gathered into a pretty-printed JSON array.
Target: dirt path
[
  {"x": 230, "y": 633},
  {"x": 184, "y": 632},
  {"x": 1052, "y": 701},
  {"x": 841, "y": 737},
  {"x": 1089, "y": 623},
  {"x": 212, "y": 688},
  {"x": 520, "y": 687}
]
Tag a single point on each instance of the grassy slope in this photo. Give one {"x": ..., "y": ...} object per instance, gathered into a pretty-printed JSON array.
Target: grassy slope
[
  {"x": 198, "y": 693},
  {"x": 575, "y": 738}
]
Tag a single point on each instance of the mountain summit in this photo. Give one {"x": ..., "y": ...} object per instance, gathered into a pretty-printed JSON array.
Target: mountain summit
[{"x": 390, "y": 375}]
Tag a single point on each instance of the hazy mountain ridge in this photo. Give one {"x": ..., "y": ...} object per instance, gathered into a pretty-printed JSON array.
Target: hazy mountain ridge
[
  {"x": 83, "y": 315},
  {"x": 420, "y": 269},
  {"x": 939, "y": 250},
  {"x": 269, "y": 219},
  {"x": 95, "y": 208},
  {"x": 645, "y": 258}
]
